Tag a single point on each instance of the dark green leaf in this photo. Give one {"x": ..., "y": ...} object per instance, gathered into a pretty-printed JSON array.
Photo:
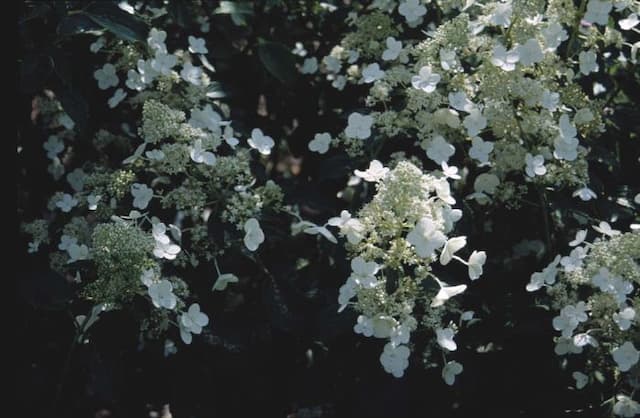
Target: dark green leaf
[
  {"x": 278, "y": 60},
  {"x": 75, "y": 105},
  {"x": 61, "y": 66},
  {"x": 75, "y": 24},
  {"x": 117, "y": 21}
]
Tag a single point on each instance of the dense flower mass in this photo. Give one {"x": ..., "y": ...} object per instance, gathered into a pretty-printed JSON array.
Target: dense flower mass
[
  {"x": 516, "y": 96},
  {"x": 399, "y": 234},
  {"x": 504, "y": 83},
  {"x": 180, "y": 139},
  {"x": 595, "y": 289}
]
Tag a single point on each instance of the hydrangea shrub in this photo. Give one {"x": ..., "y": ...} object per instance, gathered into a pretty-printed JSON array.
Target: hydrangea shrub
[{"x": 383, "y": 144}]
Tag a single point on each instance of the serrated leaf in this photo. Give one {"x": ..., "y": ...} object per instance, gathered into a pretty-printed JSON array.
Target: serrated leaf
[
  {"x": 117, "y": 21},
  {"x": 278, "y": 61}
]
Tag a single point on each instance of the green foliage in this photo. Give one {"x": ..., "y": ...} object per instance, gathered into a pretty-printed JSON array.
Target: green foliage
[
  {"x": 117, "y": 21},
  {"x": 278, "y": 60}
]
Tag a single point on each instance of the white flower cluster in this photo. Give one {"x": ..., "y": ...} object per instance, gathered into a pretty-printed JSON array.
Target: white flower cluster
[
  {"x": 399, "y": 234},
  {"x": 132, "y": 250},
  {"x": 505, "y": 97},
  {"x": 595, "y": 288}
]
